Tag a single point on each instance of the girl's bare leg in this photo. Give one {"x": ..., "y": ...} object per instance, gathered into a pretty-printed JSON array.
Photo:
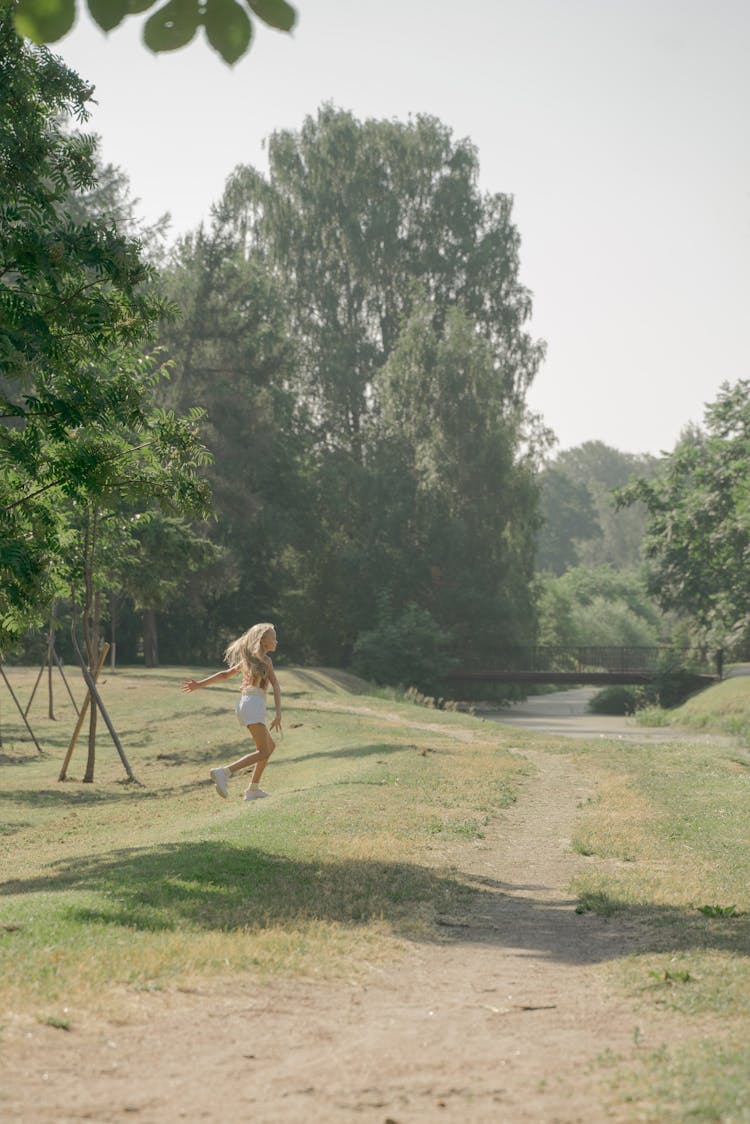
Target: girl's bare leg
[{"x": 264, "y": 747}]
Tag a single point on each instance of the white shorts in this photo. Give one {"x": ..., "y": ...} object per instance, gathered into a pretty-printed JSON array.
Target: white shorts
[{"x": 251, "y": 706}]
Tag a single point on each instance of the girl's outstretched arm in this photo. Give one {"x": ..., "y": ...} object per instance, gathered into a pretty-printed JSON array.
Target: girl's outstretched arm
[{"x": 194, "y": 684}]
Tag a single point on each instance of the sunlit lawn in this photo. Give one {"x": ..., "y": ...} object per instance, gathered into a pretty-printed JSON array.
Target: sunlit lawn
[
  {"x": 114, "y": 884},
  {"x": 668, "y": 843}
]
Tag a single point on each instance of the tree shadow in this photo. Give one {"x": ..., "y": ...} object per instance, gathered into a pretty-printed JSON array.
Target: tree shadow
[
  {"x": 213, "y": 886},
  {"x": 352, "y": 751},
  {"x": 26, "y": 759},
  {"x": 64, "y": 796}
]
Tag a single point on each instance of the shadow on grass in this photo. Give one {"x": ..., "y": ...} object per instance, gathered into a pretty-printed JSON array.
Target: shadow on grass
[
  {"x": 29, "y": 757},
  {"x": 68, "y": 797},
  {"x": 350, "y": 751},
  {"x": 213, "y": 886}
]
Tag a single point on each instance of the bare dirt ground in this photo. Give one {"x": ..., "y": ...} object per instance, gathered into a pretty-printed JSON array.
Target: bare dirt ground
[{"x": 508, "y": 1020}]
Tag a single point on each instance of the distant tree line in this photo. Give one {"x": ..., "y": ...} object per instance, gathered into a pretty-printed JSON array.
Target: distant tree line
[
  {"x": 312, "y": 410},
  {"x": 354, "y": 328},
  {"x": 346, "y": 362}
]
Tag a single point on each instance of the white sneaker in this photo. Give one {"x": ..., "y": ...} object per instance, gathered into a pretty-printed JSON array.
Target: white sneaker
[
  {"x": 220, "y": 778},
  {"x": 256, "y": 794}
]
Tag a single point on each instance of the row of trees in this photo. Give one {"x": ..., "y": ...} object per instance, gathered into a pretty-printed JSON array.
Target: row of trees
[
  {"x": 87, "y": 458},
  {"x": 340, "y": 361},
  {"x": 636, "y": 550},
  {"x": 348, "y": 366},
  {"x": 354, "y": 328}
]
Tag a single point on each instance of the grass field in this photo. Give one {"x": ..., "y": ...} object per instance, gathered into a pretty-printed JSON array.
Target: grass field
[
  {"x": 669, "y": 838},
  {"x": 112, "y": 886},
  {"x": 723, "y": 708}
]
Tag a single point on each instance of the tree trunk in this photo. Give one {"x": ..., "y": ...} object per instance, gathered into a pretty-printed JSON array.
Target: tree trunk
[
  {"x": 91, "y": 619},
  {"x": 150, "y": 639},
  {"x": 113, "y": 630},
  {"x": 50, "y": 651},
  {"x": 88, "y": 776}
]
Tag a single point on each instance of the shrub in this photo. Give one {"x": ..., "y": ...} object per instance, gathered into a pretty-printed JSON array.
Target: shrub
[
  {"x": 617, "y": 699},
  {"x": 409, "y": 650},
  {"x": 674, "y": 686}
]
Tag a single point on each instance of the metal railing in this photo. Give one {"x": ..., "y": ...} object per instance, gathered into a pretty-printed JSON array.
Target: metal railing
[{"x": 643, "y": 662}]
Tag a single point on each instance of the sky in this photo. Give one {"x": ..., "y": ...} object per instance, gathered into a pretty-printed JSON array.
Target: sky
[{"x": 620, "y": 128}]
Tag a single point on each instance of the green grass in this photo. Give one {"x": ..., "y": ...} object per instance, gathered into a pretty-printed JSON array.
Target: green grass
[
  {"x": 725, "y": 707},
  {"x": 667, "y": 840},
  {"x": 114, "y": 885},
  {"x": 701, "y": 1083}
]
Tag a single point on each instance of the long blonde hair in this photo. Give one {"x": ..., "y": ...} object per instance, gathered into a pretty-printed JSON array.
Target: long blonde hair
[{"x": 246, "y": 650}]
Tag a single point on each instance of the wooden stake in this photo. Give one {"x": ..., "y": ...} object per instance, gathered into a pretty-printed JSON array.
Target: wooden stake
[
  {"x": 65, "y": 681},
  {"x": 82, "y": 715},
  {"x": 20, "y": 710}
]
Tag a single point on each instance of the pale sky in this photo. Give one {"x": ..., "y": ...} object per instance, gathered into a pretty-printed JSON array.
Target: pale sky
[{"x": 620, "y": 127}]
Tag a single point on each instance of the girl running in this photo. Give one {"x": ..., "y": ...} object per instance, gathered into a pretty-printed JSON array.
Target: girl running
[{"x": 249, "y": 655}]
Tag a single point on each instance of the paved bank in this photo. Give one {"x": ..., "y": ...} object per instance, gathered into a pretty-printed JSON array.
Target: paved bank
[{"x": 565, "y": 714}]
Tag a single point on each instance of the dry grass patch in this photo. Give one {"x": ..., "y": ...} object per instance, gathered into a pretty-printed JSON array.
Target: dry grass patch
[
  {"x": 669, "y": 840},
  {"x": 112, "y": 885}
]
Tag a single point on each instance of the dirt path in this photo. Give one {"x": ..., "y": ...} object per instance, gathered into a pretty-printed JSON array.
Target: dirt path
[{"x": 503, "y": 1022}]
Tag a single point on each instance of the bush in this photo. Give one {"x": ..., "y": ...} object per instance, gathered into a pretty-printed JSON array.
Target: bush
[
  {"x": 674, "y": 686},
  {"x": 410, "y": 650},
  {"x": 617, "y": 699},
  {"x": 670, "y": 688}
]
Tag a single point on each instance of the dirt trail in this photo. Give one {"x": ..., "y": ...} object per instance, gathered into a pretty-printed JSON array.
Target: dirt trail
[{"x": 502, "y": 1022}]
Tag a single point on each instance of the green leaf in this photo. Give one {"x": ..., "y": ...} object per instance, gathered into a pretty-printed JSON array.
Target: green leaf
[
  {"x": 108, "y": 13},
  {"x": 228, "y": 29},
  {"x": 173, "y": 26},
  {"x": 139, "y": 5},
  {"x": 276, "y": 13},
  {"x": 44, "y": 21}
]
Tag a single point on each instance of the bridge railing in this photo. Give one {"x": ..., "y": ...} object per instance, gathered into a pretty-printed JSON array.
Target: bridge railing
[{"x": 592, "y": 657}]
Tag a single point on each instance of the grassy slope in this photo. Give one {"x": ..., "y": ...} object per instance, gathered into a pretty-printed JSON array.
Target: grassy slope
[
  {"x": 724, "y": 707},
  {"x": 669, "y": 836},
  {"x": 112, "y": 885}
]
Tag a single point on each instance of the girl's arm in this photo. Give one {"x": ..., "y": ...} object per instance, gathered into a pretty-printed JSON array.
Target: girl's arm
[
  {"x": 193, "y": 685},
  {"x": 276, "y": 724}
]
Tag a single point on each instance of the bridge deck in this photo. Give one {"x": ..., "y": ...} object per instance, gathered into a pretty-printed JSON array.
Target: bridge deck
[{"x": 578, "y": 678}]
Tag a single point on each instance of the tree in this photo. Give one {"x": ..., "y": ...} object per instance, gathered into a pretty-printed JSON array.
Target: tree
[
  {"x": 77, "y": 307},
  {"x": 698, "y": 523},
  {"x": 227, "y": 25},
  {"x": 379, "y": 240},
  {"x": 109, "y": 200},
  {"x": 600, "y": 606},
  {"x": 357, "y": 220},
  {"x": 75, "y": 300},
  {"x": 567, "y": 519},
  {"x": 233, "y": 358},
  {"x": 162, "y": 469},
  {"x": 467, "y": 502},
  {"x": 156, "y": 570},
  {"x": 578, "y": 489}
]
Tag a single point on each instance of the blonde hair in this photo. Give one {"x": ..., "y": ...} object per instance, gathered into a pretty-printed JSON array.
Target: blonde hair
[{"x": 246, "y": 650}]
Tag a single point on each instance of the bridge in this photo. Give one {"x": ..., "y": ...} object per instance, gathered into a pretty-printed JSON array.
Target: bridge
[{"x": 591, "y": 665}]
